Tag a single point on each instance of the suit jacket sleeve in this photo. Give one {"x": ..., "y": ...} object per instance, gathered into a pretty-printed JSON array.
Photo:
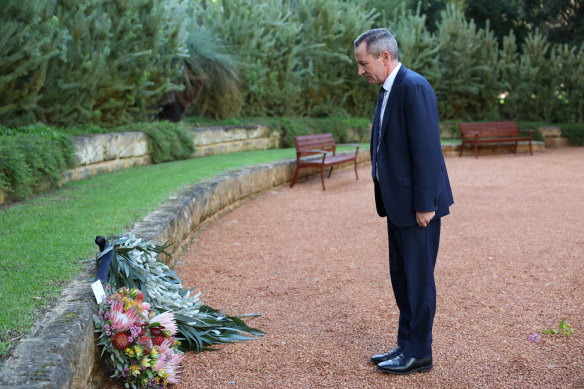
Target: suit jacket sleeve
[{"x": 424, "y": 142}]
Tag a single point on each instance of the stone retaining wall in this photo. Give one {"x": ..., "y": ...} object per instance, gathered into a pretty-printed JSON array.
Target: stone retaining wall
[
  {"x": 102, "y": 153},
  {"x": 60, "y": 350}
]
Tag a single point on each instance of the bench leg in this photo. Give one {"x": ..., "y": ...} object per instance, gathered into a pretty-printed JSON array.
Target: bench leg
[
  {"x": 515, "y": 148},
  {"x": 461, "y": 149},
  {"x": 330, "y": 172},
  {"x": 530, "y": 150},
  {"x": 356, "y": 175},
  {"x": 322, "y": 176},
  {"x": 295, "y": 176},
  {"x": 476, "y": 150}
]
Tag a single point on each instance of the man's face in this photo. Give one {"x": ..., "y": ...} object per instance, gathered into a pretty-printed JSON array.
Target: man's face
[{"x": 375, "y": 70}]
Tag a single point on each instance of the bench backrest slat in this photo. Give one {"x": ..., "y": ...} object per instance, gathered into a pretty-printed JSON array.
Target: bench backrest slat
[
  {"x": 489, "y": 129},
  {"x": 305, "y": 143}
]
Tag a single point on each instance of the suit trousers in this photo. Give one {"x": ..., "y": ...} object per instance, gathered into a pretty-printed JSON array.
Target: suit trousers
[{"x": 412, "y": 259}]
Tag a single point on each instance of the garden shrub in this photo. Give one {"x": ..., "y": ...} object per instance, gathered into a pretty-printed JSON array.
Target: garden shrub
[
  {"x": 32, "y": 159},
  {"x": 574, "y": 133},
  {"x": 168, "y": 141}
]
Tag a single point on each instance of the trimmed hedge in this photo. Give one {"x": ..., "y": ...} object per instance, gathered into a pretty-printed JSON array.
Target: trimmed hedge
[
  {"x": 33, "y": 159},
  {"x": 168, "y": 141},
  {"x": 574, "y": 133}
]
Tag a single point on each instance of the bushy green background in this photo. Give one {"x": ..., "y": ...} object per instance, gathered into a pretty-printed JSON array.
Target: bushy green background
[{"x": 113, "y": 62}]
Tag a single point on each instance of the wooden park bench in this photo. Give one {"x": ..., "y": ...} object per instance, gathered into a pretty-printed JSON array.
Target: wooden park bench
[
  {"x": 492, "y": 132},
  {"x": 323, "y": 145}
]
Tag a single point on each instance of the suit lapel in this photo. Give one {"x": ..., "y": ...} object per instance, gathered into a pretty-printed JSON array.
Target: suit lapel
[{"x": 391, "y": 99}]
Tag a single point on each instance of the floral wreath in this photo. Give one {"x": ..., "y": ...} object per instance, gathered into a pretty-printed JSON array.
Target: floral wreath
[
  {"x": 141, "y": 344},
  {"x": 147, "y": 319}
]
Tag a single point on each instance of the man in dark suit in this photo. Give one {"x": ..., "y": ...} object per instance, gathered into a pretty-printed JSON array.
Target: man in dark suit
[{"x": 411, "y": 189}]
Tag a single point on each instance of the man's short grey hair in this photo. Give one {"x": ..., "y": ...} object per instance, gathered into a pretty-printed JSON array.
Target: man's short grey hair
[{"x": 378, "y": 40}]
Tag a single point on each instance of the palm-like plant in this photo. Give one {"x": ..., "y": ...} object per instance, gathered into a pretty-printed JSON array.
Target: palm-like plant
[{"x": 209, "y": 78}]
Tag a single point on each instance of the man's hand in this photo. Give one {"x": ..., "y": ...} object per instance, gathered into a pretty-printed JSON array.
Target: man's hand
[{"x": 424, "y": 218}]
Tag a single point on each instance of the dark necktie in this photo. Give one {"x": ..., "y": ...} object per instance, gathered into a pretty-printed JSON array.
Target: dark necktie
[{"x": 375, "y": 130}]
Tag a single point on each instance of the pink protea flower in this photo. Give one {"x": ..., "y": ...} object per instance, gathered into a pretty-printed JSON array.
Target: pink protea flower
[
  {"x": 173, "y": 367},
  {"x": 121, "y": 320},
  {"x": 169, "y": 362},
  {"x": 167, "y": 321}
]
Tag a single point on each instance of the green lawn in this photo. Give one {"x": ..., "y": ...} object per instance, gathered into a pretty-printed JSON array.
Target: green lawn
[{"x": 43, "y": 239}]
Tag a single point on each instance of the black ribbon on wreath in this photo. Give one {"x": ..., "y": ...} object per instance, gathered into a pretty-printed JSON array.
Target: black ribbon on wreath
[{"x": 104, "y": 259}]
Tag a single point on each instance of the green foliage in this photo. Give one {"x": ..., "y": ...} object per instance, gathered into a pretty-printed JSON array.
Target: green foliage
[
  {"x": 562, "y": 20},
  {"x": 297, "y": 56},
  {"x": 574, "y": 133},
  {"x": 535, "y": 84},
  {"x": 524, "y": 126},
  {"x": 263, "y": 35},
  {"x": 29, "y": 39},
  {"x": 211, "y": 78},
  {"x": 509, "y": 100},
  {"x": 95, "y": 61},
  {"x": 112, "y": 62},
  {"x": 502, "y": 17},
  {"x": 468, "y": 63},
  {"x": 117, "y": 61},
  {"x": 326, "y": 68},
  {"x": 418, "y": 48},
  {"x": 33, "y": 159},
  {"x": 199, "y": 325},
  {"x": 567, "y": 66},
  {"x": 564, "y": 328}
]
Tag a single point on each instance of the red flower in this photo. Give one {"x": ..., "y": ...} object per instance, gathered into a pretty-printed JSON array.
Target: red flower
[
  {"x": 158, "y": 339},
  {"x": 155, "y": 331},
  {"x": 121, "y": 340}
]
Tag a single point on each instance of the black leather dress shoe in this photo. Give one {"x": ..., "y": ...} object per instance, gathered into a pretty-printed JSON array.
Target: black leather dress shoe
[
  {"x": 405, "y": 365},
  {"x": 387, "y": 356}
]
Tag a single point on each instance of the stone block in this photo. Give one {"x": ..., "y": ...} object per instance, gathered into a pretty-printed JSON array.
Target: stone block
[
  {"x": 96, "y": 148},
  {"x": 125, "y": 144},
  {"x": 555, "y": 142},
  {"x": 212, "y": 135},
  {"x": 86, "y": 171},
  {"x": 549, "y": 131},
  {"x": 90, "y": 148}
]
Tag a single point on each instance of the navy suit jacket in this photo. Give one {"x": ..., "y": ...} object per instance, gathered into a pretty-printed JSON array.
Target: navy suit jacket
[{"x": 411, "y": 169}]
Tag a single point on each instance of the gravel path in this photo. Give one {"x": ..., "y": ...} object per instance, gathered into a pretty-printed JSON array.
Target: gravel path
[{"x": 314, "y": 264}]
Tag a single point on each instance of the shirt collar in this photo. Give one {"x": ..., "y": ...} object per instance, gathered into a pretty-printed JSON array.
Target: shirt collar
[{"x": 388, "y": 83}]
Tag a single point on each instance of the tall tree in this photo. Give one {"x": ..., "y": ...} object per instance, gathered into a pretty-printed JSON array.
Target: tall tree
[
  {"x": 561, "y": 20},
  {"x": 502, "y": 16},
  {"x": 29, "y": 38}
]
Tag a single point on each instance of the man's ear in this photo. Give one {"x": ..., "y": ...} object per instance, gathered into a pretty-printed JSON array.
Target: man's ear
[{"x": 386, "y": 57}]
